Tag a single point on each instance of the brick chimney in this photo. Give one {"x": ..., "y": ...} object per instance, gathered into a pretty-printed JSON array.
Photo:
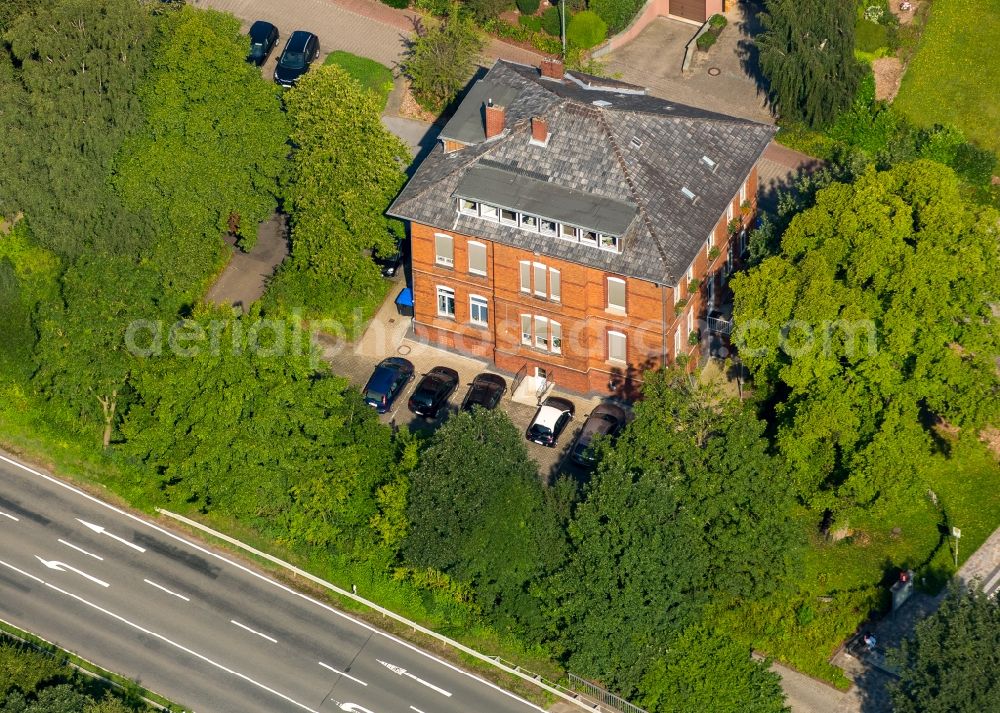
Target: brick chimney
[
  {"x": 539, "y": 130},
  {"x": 495, "y": 116},
  {"x": 552, "y": 68}
]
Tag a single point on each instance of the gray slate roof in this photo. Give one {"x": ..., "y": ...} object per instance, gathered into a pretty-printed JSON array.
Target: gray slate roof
[{"x": 629, "y": 154}]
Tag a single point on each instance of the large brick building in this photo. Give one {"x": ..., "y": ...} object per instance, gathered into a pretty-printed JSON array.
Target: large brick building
[{"x": 573, "y": 228}]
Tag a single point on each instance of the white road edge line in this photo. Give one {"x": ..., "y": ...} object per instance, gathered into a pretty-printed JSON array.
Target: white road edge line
[
  {"x": 81, "y": 550},
  {"x": 161, "y": 637},
  {"x": 341, "y": 673},
  {"x": 10, "y": 516},
  {"x": 247, "y": 628},
  {"x": 336, "y": 612},
  {"x": 414, "y": 708},
  {"x": 162, "y": 588}
]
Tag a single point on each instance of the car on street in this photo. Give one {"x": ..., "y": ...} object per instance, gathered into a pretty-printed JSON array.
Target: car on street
[
  {"x": 300, "y": 51},
  {"x": 387, "y": 382},
  {"x": 550, "y": 421},
  {"x": 486, "y": 391},
  {"x": 390, "y": 262},
  {"x": 432, "y": 391},
  {"x": 263, "y": 37},
  {"x": 607, "y": 420}
]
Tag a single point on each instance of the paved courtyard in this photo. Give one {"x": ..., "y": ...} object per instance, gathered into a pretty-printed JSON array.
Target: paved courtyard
[{"x": 724, "y": 79}]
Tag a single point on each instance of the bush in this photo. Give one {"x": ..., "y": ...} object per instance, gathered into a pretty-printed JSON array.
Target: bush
[
  {"x": 974, "y": 164},
  {"x": 505, "y": 30},
  {"x": 616, "y": 13},
  {"x": 398, "y": 4},
  {"x": 438, "y": 8},
  {"x": 528, "y": 7},
  {"x": 717, "y": 22},
  {"x": 530, "y": 22},
  {"x": 484, "y": 10},
  {"x": 586, "y": 29},
  {"x": 870, "y": 37},
  {"x": 551, "y": 22},
  {"x": 705, "y": 41}
]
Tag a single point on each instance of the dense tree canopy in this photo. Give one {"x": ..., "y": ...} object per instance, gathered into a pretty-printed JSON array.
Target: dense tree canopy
[
  {"x": 213, "y": 144},
  {"x": 441, "y": 59},
  {"x": 346, "y": 168},
  {"x": 807, "y": 55},
  {"x": 875, "y": 313},
  {"x": 687, "y": 507},
  {"x": 478, "y": 512},
  {"x": 68, "y": 106},
  {"x": 952, "y": 664}
]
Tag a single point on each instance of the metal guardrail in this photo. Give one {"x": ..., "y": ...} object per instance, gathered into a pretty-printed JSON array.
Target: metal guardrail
[{"x": 602, "y": 696}]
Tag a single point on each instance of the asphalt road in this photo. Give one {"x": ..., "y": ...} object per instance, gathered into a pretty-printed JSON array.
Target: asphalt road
[{"x": 200, "y": 628}]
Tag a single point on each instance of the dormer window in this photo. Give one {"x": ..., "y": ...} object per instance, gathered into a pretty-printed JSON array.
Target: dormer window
[
  {"x": 588, "y": 236},
  {"x": 529, "y": 222},
  {"x": 468, "y": 207},
  {"x": 490, "y": 212},
  {"x": 569, "y": 232},
  {"x": 508, "y": 217},
  {"x": 547, "y": 227},
  {"x": 608, "y": 242}
]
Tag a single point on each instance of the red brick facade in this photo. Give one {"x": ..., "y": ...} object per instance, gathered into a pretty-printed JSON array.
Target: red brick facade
[{"x": 567, "y": 305}]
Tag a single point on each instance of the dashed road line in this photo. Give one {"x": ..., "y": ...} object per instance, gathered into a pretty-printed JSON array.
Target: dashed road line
[
  {"x": 342, "y": 673},
  {"x": 81, "y": 550},
  {"x": 247, "y": 628},
  {"x": 164, "y": 589}
]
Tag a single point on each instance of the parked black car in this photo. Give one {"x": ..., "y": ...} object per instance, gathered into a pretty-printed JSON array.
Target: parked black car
[
  {"x": 432, "y": 391},
  {"x": 391, "y": 262},
  {"x": 486, "y": 390},
  {"x": 387, "y": 382},
  {"x": 300, "y": 51},
  {"x": 263, "y": 38},
  {"x": 605, "y": 420},
  {"x": 550, "y": 420}
]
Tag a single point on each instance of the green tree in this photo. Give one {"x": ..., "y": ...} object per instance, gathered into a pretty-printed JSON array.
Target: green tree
[
  {"x": 807, "y": 56},
  {"x": 875, "y": 313},
  {"x": 346, "y": 168},
  {"x": 213, "y": 145},
  {"x": 688, "y": 507},
  {"x": 586, "y": 29},
  {"x": 25, "y": 669},
  {"x": 68, "y": 105},
  {"x": 952, "y": 663},
  {"x": 441, "y": 59},
  {"x": 478, "y": 513},
  {"x": 83, "y": 357},
  {"x": 705, "y": 671}
]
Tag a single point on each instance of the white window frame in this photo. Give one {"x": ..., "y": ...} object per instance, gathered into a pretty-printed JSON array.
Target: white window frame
[
  {"x": 524, "y": 271},
  {"x": 551, "y": 232},
  {"x": 489, "y": 212},
  {"x": 526, "y": 329},
  {"x": 509, "y": 221},
  {"x": 532, "y": 228},
  {"x": 479, "y": 303},
  {"x": 710, "y": 290},
  {"x": 743, "y": 194},
  {"x": 445, "y": 292},
  {"x": 555, "y": 337},
  {"x": 677, "y": 343},
  {"x": 444, "y": 260},
  {"x": 729, "y": 212},
  {"x": 475, "y": 244},
  {"x": 618, "y": 309},
  {"x": 555, "y": 285},
  {"x": 474, "y": 210},
  {"x": 541, "y": 333},
  {"x": 589, "y": 237},
  {"x": 607, "y": 242},
  {"x": 613, "y": 334},
  {"x": 569, "y": 232},
  {"x": 538, "y": 274},
  {"x": 709, "y": 243},
  {"x": 690, "y": 322}
]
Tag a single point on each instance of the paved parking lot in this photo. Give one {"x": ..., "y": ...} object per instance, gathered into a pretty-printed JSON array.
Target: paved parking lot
[{"x": 388, "y": 334}]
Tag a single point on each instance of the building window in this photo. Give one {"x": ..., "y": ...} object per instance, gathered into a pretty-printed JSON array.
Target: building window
[
  {"x": 539, "y": 279},
  {"x": 542, "y": 333},
  {"x": 677, "y": 343},
  {"x": 526, "y": 329},
  {"x": 554, "y": 285},
  {"x": 569, "y": 232},
  {"x": 556, "y": 331},
  {"x": 743, "y": 194},
  {"x": 616, "y": 294},
  {"x": 690, "y": 321},
  {"x": 508, "y": 217},
  {"x": 479, "y": 310},
  {"x": 708, "y": 243},
  {"x": 710, "y": 285},
  {"x": 444, "y": 250},
  {"x": 468, "y": 207},
  {"x": 689, "y": 275},
  {"x": 608, "y": 242},
  {"x": 477, "y": 258},
  {"x": 529, "y": 222},
  {"x": 525, "y": 276},
  {"x": 588, "y": 237},
  {"x": 446, "y": 302},
  {"x": 616, "y": 347},
  {"x": 547, "y": 227},
  {"x": 490, "y": 212},
  {"x": 729, "y": 211}
]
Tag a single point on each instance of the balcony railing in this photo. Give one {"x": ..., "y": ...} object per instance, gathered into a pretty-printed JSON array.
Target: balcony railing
[{"x": 720, "y": 324}]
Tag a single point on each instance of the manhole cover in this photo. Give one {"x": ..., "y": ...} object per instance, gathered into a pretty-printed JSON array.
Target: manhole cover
[
  {"x": 714, "y": 71},
  {"x": 403, "y": 349}
]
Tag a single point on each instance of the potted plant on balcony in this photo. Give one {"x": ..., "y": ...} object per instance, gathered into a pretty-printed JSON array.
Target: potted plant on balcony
[
  {"x": 693, "y": 286},
  {"x": 680, "y": 305},
  {"x": 713, "y": 252},
  {"x": 735, "y": 226},
  {"x": 694, "y": 337}
]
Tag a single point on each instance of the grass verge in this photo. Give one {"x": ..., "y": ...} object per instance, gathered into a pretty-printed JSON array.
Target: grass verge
[{"x": 371, "y": 74}]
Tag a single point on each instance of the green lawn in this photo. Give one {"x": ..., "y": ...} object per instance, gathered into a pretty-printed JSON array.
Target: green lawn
[
  {"x": 370, "y": 73},
  {"x": 954, "y": 76}
]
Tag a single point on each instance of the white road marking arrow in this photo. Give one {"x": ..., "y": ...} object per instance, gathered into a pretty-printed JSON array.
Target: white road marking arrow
[
  {"x": 352, "y": 708},
  {"x": 101, "y": 531},
  {"x": 63, "y": 567},
  {"x": 403, "y": 672}
]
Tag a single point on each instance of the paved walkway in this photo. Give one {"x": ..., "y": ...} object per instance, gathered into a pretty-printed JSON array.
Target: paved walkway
[
  {"x": 243, "y": 281},
  {"x": 363, "y": 27}
]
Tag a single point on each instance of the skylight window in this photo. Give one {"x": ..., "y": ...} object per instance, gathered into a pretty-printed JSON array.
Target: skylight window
[
  {"x": 601, "y": 103},
  {"x": 636, "y": 143},
  {"x": 709, "y": 162},
  {"x": 688, "y": 193}
]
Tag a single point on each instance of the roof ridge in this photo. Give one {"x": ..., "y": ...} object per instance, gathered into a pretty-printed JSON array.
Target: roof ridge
[{"x": 630, "y": 183}]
